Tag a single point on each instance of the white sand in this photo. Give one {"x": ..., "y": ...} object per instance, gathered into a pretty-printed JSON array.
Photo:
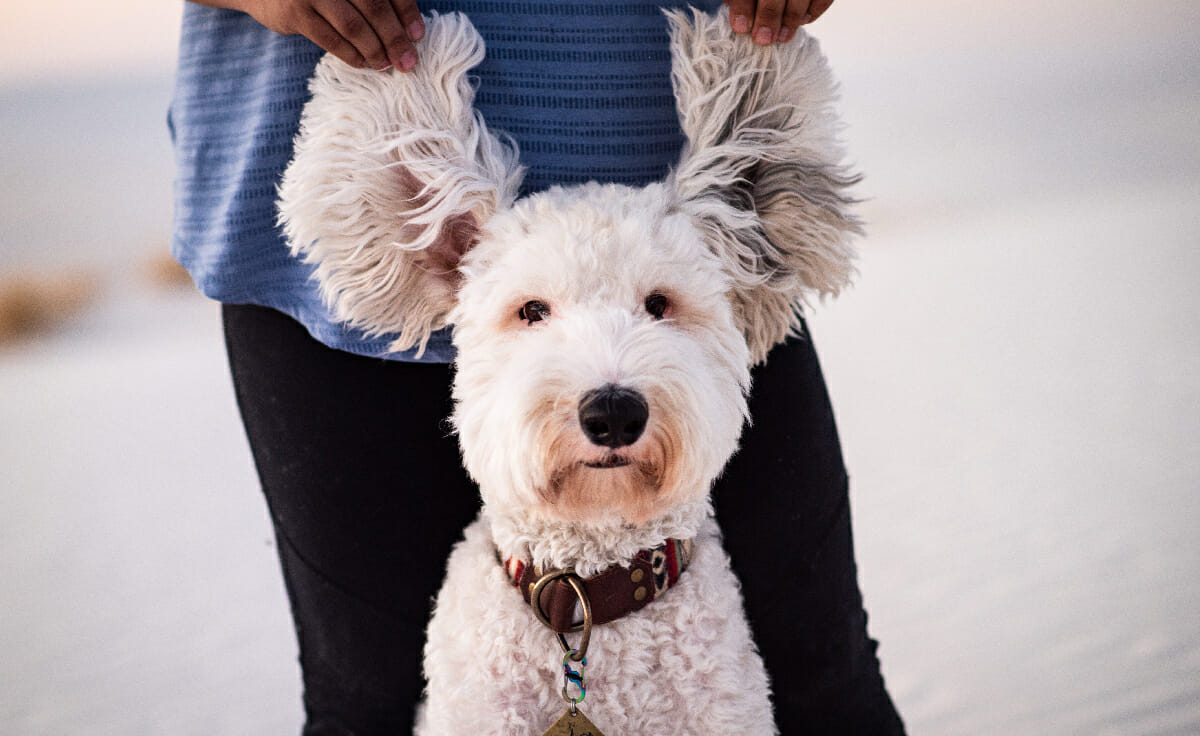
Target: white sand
[{"x": 1017, "y": 377}]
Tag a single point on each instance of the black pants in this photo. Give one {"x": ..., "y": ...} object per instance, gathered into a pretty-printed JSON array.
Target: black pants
[{"x": 367, "y": 494}]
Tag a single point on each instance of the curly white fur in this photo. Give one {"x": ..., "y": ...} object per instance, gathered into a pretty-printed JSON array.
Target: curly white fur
[
  {"x": 683, "y": 665},
  {"x": 392, "y": 171},
  {"x": 761, "y": 172},
  {"x": 406, "y": 205}
]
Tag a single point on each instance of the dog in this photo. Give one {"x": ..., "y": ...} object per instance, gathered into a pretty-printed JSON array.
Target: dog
[{"x": 604, "y": 337}]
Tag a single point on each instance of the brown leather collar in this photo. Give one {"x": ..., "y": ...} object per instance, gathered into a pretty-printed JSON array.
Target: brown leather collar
[{"x": 614, "y": 592}]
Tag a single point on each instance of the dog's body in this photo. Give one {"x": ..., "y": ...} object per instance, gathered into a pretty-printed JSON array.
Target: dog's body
[
  {"x": 604, "y": 339},
  {"x": 685, "y": 664}
]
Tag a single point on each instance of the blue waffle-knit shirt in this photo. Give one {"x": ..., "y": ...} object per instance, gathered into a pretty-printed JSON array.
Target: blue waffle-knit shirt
[{"x": 583, "y": 87}]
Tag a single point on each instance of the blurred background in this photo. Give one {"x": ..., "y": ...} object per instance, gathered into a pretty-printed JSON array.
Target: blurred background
[{"x": 1016, "y": 376}]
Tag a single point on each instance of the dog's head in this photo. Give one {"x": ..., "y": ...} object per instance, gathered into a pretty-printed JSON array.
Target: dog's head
[{"x": 604, "y": 332}]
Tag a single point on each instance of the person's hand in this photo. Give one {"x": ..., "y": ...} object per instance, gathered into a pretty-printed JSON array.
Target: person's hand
[
  {"x": 773, "y": 20},
  {"x": 363, "y": 33}
]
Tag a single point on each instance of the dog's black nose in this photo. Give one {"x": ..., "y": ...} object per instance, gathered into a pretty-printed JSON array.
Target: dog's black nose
[{"x": 613, "y": 416}]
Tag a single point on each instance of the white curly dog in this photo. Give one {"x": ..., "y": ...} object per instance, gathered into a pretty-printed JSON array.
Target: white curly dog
[{"x": 604, "y": 338}]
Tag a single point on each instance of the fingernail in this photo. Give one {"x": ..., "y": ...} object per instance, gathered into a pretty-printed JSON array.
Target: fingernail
[
  {"x": 785, "y": 35},
  {"x": 806, "y": 19},
  {"x": 763, "y": 36},
  {"x": 408, "y": 61},
  {"x": 416, "y": 31},
  {"x": 741, "y": 24}
]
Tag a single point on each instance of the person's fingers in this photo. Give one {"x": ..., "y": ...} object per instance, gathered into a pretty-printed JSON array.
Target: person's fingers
[
  {"x": 410, "y": 16},
  {"x": 354, "y": 27},
  {"x": 385, "y": 24},
  {"x": 320, "y": 32},
  {"x": 793, "y": 17},
  {"x": 767, "y": 17},
  {"x": 816, "y": 8},
  {"x": 741, "y": 15}
]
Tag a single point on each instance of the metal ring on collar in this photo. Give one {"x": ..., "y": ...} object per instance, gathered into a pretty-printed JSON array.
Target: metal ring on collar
[{"x": 586, "y": 627}]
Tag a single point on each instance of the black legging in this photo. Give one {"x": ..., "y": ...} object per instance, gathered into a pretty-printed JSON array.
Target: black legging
[{"x": 367, "y": 494}]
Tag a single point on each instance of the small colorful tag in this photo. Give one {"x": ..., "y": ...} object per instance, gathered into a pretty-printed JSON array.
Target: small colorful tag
[{"x": 573, "y": 724}]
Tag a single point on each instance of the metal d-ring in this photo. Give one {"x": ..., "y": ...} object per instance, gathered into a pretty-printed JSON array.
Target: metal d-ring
[{"x": 535, "y": 601}]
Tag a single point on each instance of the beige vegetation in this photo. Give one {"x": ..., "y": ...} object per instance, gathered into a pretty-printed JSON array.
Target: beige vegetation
[
  {"x": 160, "y": 270},
  {"x": 34, "y": 303}
]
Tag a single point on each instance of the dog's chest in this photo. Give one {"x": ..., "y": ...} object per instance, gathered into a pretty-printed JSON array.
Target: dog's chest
[{"x": 683, "y": 665}]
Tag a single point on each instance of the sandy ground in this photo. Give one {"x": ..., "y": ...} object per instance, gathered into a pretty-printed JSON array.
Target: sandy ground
[{"x": 1017, "y": 378}]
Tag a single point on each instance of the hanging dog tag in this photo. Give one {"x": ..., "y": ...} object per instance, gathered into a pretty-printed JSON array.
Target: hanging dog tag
[{"x": 575, "y": 724}]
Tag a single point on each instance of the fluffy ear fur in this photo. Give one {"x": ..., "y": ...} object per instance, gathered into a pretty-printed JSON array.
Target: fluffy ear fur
[
  {"x": 394, "y": 174},
  {"x": 761, "y": 173}
]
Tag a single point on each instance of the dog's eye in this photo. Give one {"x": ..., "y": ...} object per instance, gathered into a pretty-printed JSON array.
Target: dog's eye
[
  {"x": 533, "y": 311},
  {"x": 656, "y": 305}
]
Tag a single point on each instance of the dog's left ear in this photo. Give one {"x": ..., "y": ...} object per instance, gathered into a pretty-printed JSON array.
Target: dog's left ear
[
  {"x": 761, "y": 173},
  {"x": 394, "y": 174}
]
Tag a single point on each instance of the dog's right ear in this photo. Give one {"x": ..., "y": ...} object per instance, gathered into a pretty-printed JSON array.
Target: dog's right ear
[{"x": 394, "y": 174}]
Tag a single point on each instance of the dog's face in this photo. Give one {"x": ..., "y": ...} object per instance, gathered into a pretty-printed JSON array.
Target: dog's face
[
  {"x": 601, "y": 371},
  {"x": 604, "y": 332}
]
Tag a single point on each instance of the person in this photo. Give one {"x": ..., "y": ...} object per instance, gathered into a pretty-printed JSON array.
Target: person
[{"x": 362, "y": 479}]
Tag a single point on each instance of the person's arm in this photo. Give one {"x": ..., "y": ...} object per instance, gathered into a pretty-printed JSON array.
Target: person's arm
[
  {"x": 773, "y": 20},
  {"x": 362, "y": 33}
]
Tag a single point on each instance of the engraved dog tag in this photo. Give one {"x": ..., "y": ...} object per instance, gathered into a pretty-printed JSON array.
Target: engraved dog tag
[{"x": 573, "y": 725}]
